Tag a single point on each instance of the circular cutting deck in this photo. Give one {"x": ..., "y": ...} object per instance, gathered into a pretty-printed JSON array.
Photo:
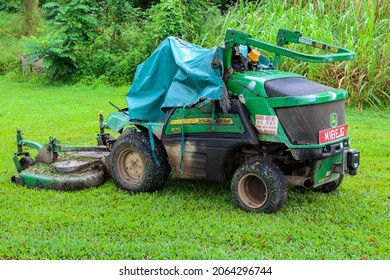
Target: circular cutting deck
[
  {"x": 71, "y": 172},
  {"x": 74, "y": 166}
]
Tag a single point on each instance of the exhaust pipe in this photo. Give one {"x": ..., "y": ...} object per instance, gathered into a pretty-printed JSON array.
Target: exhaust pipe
[{"x": 299, "y": 181}]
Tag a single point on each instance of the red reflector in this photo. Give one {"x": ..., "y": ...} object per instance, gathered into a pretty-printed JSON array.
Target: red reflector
[{"x": 333, "y": 134}]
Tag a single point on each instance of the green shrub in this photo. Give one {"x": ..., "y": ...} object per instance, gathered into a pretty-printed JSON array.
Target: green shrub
[
  {"x": 8, "y": 63},
  {"x": 60, "y": 63},
  {"x": 10, "y": 6},
  {"x": 116, "y": 60},
  {"x": 166, "y": 19},
  {"x": 75, "y": 25},
  {"x": 74, "y": 20}
]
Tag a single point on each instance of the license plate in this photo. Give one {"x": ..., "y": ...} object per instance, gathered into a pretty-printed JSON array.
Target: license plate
[{"x": 333, "y": 134}]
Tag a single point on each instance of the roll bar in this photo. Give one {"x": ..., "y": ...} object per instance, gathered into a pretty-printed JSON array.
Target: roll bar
[{"x": 284, "y": 37}]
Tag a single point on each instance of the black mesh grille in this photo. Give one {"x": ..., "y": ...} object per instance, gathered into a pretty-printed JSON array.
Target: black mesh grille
[{"x": 303, "y": 123}]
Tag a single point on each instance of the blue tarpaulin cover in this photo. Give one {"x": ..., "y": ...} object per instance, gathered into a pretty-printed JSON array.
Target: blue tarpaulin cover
[{"x": 177, "y": 74}]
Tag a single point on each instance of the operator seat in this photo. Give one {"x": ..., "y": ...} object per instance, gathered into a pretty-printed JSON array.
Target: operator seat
[{"x": 293, "y": 87}]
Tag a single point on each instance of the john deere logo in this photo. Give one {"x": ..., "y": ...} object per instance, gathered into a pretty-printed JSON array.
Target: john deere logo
[{"x": 333, "y": 120}]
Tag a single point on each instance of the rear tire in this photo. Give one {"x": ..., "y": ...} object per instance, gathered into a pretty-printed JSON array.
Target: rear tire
[
  {"x": 259, "y": 186},
  {"x": 132, "y": 165}
]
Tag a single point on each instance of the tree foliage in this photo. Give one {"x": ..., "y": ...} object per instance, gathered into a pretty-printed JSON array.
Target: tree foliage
[
  {"x": 74, "y": 20},
  {"x": 75, "y": 24},
  {"x": 10, "y": 6},
  {"x": 60, "y": 62},
  {"x": 167, "y": 19},
  {"x": 109, "y": 38}
]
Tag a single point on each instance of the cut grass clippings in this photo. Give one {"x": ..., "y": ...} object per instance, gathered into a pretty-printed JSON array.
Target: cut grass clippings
[{"x": 187, "y": 219}]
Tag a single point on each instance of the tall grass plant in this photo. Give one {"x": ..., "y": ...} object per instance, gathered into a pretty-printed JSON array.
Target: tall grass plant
[{"x": 362, "y": 26}]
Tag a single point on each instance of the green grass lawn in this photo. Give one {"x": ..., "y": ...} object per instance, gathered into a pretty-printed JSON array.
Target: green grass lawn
[{"x": 186, "y": 220}]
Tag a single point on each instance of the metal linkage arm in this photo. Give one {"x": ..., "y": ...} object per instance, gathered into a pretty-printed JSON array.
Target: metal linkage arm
[{"x": 284, "y": 37}]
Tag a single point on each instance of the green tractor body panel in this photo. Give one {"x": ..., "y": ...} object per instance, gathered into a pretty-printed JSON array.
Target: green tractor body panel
[
  {"x": 323, "y": 170},
  {"x": 251, "y": 83},
  {"x": 117, "y": 121},
  {"x": 249, "y": 88}
]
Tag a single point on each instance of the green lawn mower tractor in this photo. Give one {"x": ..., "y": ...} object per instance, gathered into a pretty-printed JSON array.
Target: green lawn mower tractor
[{"x": 226, "y": 114}]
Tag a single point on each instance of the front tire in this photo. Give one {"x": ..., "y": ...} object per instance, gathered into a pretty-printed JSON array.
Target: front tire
[
  {"x": 259, "y": 186},
  {"x": 132, "y": 165},
  {"x": 331, "y": 186}
]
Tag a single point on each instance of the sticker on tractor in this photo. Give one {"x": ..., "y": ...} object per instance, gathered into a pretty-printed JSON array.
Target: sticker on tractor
[
  {"x": 333, "y": 134},
  {"x": 267, "y": 124},
  {"x": 222, "y": 121}
]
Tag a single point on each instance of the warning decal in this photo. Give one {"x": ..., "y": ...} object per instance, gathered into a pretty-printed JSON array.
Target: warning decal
[{"x": 267, "y": 124}]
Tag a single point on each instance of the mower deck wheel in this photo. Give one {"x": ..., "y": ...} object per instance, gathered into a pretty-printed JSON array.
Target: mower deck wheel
[{"x": 26, "y": 162}]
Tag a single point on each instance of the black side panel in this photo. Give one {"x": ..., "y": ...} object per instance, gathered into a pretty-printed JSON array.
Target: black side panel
[
  {"x": 293, "y": 87},
  {"x": 209, "y": 156}
]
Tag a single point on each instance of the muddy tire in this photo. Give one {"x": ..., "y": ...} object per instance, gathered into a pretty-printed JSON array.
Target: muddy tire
[
  {"x": 330, "y": 187},
  {"x": 132, "y": 165},
  {"x": 259, "y": 186}
]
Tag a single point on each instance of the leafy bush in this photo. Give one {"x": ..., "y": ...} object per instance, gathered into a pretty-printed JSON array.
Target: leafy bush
[
  {"x": 74, "y": 20},
  {"x": 182, "y": 18},
  {"x": 166, "y": 19},
  {"x": 75, "y": 24},
  {"x": 9, "y": 6},
  {"x": 8, "y": 63},
  {"x": 59, "y": 61},
  {"x": 116, "y": 50}
]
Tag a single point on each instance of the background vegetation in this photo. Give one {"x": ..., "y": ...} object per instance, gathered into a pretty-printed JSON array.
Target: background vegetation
[
  {"x": 187, "y": 219},
  {"x": 103, "y": 41}
]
